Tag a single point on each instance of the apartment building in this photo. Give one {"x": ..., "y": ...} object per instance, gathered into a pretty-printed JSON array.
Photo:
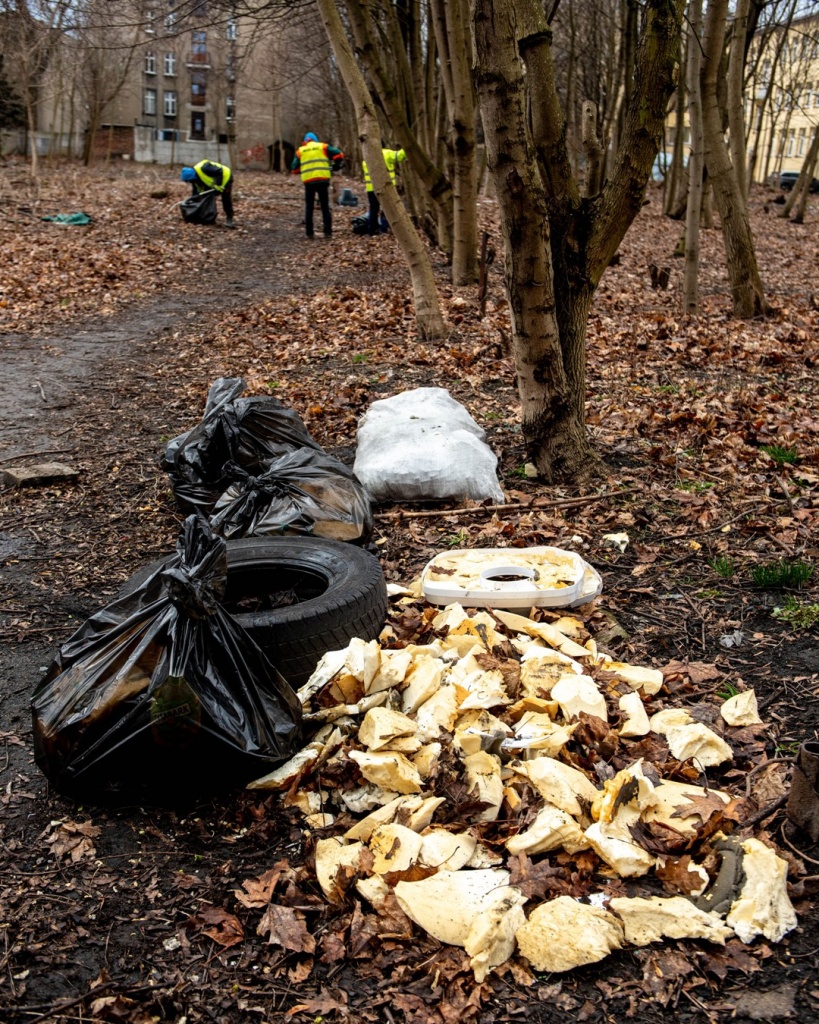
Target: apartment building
[
  {"x": 177, "y": 81},
  {"x": 782, "y": 101}
]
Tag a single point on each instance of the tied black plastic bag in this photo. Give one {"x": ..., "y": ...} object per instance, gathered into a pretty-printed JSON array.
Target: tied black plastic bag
[
  {"x": 199, "y": 208},
  {"x": 247, "y": 432},
  {"x": 304, "y": 491},
  {"x": 162, "y": 697}
]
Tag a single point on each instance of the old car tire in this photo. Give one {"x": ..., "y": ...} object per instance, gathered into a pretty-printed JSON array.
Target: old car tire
[{"x": 339, "y": 592}]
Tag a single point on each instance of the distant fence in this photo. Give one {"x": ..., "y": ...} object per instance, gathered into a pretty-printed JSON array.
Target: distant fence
[
  {"x": 150, "y": 150},
  {"x": 46, "y": 143}
]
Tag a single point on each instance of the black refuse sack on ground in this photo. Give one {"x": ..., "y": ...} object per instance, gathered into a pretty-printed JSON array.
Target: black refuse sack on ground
[
  {"x": 361, "y": 225},
  {"x": 247, "y": 432},
  {"x": 304, "y": 491},
  {"x": 199, "y": 209},
  {"x": 161, "y": 697}
]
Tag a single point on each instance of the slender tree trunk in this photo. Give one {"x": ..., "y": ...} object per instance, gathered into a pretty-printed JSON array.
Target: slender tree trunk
[
  {"x": 800, "y": 190},
  {"x": 736, "y": 97},
  {"x": 453, "y": 40},
  {"x": 437, "y": 188},
  {"x": 676, "y": 183},
  {"x": 691, "y": 296},
  {"x": 746, "y": 285},
  {"x": 428, "y": 315}
]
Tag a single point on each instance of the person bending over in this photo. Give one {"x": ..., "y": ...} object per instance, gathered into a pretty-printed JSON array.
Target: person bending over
[{"x": 209, "y": 175}]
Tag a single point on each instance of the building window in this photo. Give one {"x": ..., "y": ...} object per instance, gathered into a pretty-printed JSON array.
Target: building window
[
  {"x": 170, "y": 104},
  {"x": 149, "y": 101},
  {"x": 200, "y": 10},
  {"x": 230, "y": 109},
  {"x": 230, "y": 68},
  {"x": 800, "y": 149},
  {"x": 198, "y": 88},
  {"x": 170, "y": 18},
  {"x": 151, "y": 18},
  {"x": 167, "y": 135},
  {"x": 170, "y": 64},
  {"x": 197, "y": 126},
  {"x": 816, "y": 95},
  {"x": 150, "y": 63},
  {"x": 232, "y": 30},
  {"x": 791, "y": 141}
]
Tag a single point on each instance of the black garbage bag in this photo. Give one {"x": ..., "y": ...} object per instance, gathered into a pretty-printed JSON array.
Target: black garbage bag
[
  {"x": 304, "y": 491},
  {"x": 199, "y": 208},
  {"x": 361, "y": 225},
  {"x": 161, "y": 697},
  {"x": 247, "y": 432}
]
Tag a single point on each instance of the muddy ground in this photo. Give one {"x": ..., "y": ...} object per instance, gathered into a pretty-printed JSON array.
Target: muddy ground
[{"x": 680, "y": 411}]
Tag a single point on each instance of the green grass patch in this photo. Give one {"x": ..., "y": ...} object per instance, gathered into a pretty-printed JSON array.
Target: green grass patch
[
  {"x": 456, "y": 540},
  {"x": 723, "y": 565},
  {"x": 781, "y": 456},
  {"x": 727, "y": 691},
  {"x": 784, "y": 573},
  {"x": 697, "y": 486},
  {"x": 797, "y": 614}
]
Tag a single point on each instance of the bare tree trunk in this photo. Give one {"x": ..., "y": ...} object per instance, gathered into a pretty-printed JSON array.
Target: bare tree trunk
[
  {"x": 454, "y": 46},
  {"x": 746, "y": 285},
  {"x": 34, "y": 166},
  {"x": 428, "y": 315},
  {"x": 691, "y": 296},
  {"x": 736, "y": 98},
  {"x": 558, "y": 244},
  {"x": 676, "y": 183},
  {"x": 437, "y": 191},
  {"x": 800, "y": 190}
]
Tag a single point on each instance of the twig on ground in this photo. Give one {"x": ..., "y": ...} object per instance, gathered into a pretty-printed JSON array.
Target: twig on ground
[
  {"x": 760, "y": 767},
  {"x": 796, "y": 850},
  {"x": 766, "y": 812},
  {"x": 559, "y": 503}
]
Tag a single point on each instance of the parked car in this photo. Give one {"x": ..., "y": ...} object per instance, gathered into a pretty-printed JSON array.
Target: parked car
[{"x": 787, "y": 179}]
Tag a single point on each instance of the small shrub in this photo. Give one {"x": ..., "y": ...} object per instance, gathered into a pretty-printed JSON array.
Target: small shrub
[
  {"x": 723, "y": 565},
  {"x": 784, "y": 573},
  {"x": 797, "y": 614},
  {"x": 781, "y": 456}
]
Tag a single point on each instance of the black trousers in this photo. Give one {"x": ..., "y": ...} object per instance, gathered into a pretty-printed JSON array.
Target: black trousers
[
  {"x": 322, "y": 190},
  {"x": 373, "y": 227}
]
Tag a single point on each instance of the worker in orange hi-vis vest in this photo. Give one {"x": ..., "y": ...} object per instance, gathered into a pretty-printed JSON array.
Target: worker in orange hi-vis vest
[{"x": 315, "y": 162}]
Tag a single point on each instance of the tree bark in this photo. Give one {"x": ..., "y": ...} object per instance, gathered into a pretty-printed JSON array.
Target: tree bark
[
  {"x": 557, "y": 243},
  {"x": 746, "y": 285},
  {"x": 428, "y": 315},
  {"x": 691, "y": 297},
  {"x": 437, "y": 188},
  {"x": 800, "y": 190},
  {"x": 736, "y": 96},
  {"x": 454, "y": 45}
]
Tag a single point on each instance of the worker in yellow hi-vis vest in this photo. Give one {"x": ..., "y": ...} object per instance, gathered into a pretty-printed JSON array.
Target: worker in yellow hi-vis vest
[
  {"x": 315, "y": 161},
  {"x": 392, "y": 157},
  {"x": 206, "y": 175}
]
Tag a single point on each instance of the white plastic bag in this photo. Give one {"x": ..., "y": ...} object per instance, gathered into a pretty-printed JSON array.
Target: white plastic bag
[{"x": 422, "y": 445}]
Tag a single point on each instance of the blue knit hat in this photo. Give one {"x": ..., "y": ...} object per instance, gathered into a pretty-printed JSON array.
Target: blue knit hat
[
  {"x": 188, "y": 174},
  {"x": 310, "y": 137}
]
